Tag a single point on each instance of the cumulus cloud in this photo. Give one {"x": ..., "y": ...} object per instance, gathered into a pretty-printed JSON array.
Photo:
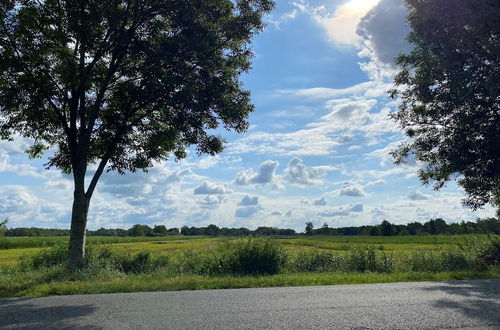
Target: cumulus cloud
[
  {"x": 207, "y": 188},
  {"x": 25, "y": 208},
  {"x": 265, "y": 175},
  {"x": 384, "y": 29},
  {"x": 348, "y": 111},
  {"x": 247, "y": 201},
  {"x": 17, "y": 146},
  {"x": 342, "y": 211},
  {"x": 346, "y": 118},
  {"x": 322, "y": 201},
  {"x": 418, "y": 196},
  {"x": 352, "y": 189},
  {"x": 211, "y": 200},
  {"x": 340, "y": 26},
  {"x": 298, "y": 173},
  {"x": 247, "y": 211},
  {"x": 19, "y": 169},
  {"x": 378, "y": 182},
  {"x": 61, "y": 184}
]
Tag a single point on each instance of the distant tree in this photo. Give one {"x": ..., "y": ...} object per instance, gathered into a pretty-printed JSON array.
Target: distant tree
[
  {"x": 414, "y": 228},
  {"x": 173, "y": 231},
  {"x": 449, "y": 85},
  {"x": 212, "y": 230},
  {"x": 160, "y": 230},
  {"x": 122, "y": 84},
  {"x": 387, "y": 229},
  {"x": 140, "y": 230},
  {"x": 309, "y": 228},
  {"x": 136, "y": 230},
  {"x": 375, "y": 231},
  {"x": 435, "y": 226},
  {"x": 3, "y": 226}
]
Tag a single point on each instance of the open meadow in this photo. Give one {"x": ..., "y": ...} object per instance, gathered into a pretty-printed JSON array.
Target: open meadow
[
  {"x": 12, "y": 248},
  {"x": 37, "y": 266}
]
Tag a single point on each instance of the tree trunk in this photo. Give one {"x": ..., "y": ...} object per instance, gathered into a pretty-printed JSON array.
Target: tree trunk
[{"x": 78, "y": 224}]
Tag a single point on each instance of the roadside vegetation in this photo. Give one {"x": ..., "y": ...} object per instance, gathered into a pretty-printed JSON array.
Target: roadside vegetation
[{"x": 252, "y": 262}]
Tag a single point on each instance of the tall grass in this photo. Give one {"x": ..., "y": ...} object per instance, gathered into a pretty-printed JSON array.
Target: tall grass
[
  {"x": 33, "y": 242},
  {"x": 231, "y": 260}
]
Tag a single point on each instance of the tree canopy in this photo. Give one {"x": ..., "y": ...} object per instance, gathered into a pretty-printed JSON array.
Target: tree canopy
[
  {"x": 123, "y": 83},
  {"x": 449, "y": 87}
]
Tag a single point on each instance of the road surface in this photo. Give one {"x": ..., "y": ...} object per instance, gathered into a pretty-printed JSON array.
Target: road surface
[{"x": 431, "y": 305}]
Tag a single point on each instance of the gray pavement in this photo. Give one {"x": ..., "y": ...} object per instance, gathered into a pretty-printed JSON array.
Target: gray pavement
[{"x": 431, "y": 305}]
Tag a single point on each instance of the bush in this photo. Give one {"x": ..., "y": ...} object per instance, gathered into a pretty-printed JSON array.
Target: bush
[
  {"x": 255, "y": 256},
  {"x": 54, "y": 256},
  {"x": 314, "y": 261},
  {"x": 98, "y": 258},
  {"x": 485, "y": 251}
]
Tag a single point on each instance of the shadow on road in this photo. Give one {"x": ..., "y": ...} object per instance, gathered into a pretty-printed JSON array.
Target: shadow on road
[
  {"x": 25, "y": 314},
  {"x": 476, "y": 299}
]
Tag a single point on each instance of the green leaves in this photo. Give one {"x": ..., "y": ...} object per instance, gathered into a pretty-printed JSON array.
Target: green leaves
[
  {"x": 125, "y": 82},
  {"x": 450, "y": 105}
]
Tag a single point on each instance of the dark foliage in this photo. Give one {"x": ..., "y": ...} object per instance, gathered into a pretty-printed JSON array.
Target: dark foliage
[{"x": 450, "y": 91}]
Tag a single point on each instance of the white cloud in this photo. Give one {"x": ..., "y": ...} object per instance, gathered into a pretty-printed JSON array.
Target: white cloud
[
  {"x": 24, "y": 208},
  {"x": 283, "y": 18},
  {"x": 298, "y": 173},
  {"x": 340, "y": 26},
  {"x": 418, "y": 196},
  {"x": 378, "y": 182},
  {"x": 17, "y": 146},
  {"x": 207, "y": 188},
  {"x": 19, "y": 169},
  {"x": 265, "y": 175},
  {"x": 352, "y": 189},
  {"x": 342, "y": 211},
  {"x": 384, "y": 29},
  {"x": 247, "y": 201},
  {"x": 350, "y": 112},
  {"x": 212, "y": 200},
  {"x": 247, "y": 211},
  {"x": 367, "y": 89},
  {"x": 320, "y": 202}
]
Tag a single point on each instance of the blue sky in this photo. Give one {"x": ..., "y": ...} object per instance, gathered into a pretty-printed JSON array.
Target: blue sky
[{"x": 317, "y": 149}]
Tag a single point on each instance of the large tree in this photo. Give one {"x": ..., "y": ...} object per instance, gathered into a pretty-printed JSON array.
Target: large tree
[
  {"x": 122, "y": 83},
  {"x": 449, "y": 87}
]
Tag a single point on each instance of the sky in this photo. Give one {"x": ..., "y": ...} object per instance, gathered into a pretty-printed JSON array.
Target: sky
[{"x": 317, "y": 148}]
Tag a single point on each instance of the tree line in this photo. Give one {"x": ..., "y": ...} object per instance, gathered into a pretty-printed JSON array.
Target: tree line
[
  {"x": 385, "y": 228},
  {"x": 432, "y": 227}
]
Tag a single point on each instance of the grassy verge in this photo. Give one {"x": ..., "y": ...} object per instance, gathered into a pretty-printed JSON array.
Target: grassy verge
[
  {"x": 242, "y": 263},
  {"x": 164, "y": 282}
]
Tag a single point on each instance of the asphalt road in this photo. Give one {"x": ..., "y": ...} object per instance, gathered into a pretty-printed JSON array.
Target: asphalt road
[{"x": 431, "y": 305}]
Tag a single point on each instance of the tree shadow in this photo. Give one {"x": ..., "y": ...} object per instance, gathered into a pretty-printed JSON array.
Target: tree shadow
[
  {"x": 478, "y": 300},
  {"x": 28, "y": 314}
]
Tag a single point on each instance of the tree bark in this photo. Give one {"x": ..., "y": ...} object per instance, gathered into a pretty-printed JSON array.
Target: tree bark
[{"x": 78, "y": 223}]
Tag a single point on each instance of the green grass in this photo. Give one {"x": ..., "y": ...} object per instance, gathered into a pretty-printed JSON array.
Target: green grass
[
  {"x": 32, "y": 242},
  {"x": 180, "y": 263},
  {"x": 174, "y": 244},
  {"x": 164, "y": 282}
]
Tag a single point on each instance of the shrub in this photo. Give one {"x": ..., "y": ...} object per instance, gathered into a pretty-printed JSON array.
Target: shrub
[
  {"x": 421, "y": 261},
  {"x": 54, "y": 256},
  {"x": 256, "y": 256},
  {"x": 485, "y": 251},
  {"x": 314, "y": 261},
  {"x": 362, "y": 259}
]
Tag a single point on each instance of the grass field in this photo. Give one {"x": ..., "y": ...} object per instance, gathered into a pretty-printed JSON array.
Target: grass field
[
  {"x": 177, "y": 262},
  {"x": 11, "y": 248}
]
